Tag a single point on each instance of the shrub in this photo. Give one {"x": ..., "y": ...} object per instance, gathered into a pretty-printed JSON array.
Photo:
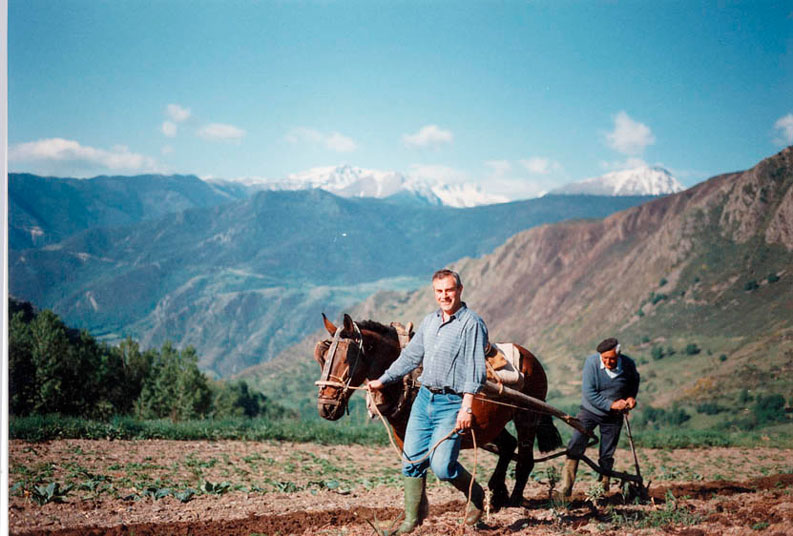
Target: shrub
[
  {"x": 769, "y": 408},
  {"x": 657, "y": 352},
  {"x": 744, "y": 396},
  {"x": 723, "y": 358},
  {"x": 692, "y": 349},
  {"x": 662, "y": 282},
  {"x": 710, "y": 408},
  {"x": 772, "y": 278},
  {"x": 751, "y": 285}
]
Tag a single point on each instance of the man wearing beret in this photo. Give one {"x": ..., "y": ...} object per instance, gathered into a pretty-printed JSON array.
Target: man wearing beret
[{"x": 609, "y": 386}]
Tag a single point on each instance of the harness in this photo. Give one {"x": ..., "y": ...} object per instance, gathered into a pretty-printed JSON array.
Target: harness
[{"x": 340, "y": 382}]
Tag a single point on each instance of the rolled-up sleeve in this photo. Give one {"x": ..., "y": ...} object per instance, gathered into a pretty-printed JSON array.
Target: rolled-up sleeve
[{"x": 474, "y": 344}]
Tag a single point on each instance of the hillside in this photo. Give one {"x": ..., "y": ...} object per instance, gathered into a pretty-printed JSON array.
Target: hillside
[
  {"x": 46, "y": 210},
  {"x": 696, "y": 285},
  {"x": 241, "y": 281}
]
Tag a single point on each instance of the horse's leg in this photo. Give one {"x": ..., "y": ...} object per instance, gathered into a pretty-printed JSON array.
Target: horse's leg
[
  {"x": 506, "y": 446},
  {"x": 526, "y": 425}
]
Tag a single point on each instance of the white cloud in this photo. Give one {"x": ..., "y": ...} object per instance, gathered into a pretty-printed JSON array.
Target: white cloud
[
  {"x": 334, "y": 141},
  {"x": 541, "y": 166},
  {"x": 221, "y": 132},
  {"x": 428, "y": 136},
  {"x": 177, "y": 113},
  {"x": 785, "y": 127},
  {"x": 169, "y": 128},
  {"x": 629, "y": 137},
  {"x": 61, "y": 156}
]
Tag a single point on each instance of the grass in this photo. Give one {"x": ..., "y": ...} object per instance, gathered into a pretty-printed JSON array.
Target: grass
[{"x": 51, "y": 427}]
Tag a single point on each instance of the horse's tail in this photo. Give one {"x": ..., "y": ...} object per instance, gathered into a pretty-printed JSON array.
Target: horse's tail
[{"x": 548, "y": 437}]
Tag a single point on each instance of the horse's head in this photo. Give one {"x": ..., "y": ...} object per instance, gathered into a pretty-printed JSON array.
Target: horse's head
[{"x": 343, "y": 366}]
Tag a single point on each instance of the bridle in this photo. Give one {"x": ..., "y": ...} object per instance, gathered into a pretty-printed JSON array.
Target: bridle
[{"x": 340, "y": 382}]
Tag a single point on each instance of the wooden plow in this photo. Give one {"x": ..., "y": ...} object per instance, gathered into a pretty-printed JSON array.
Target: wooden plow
[{"x": 501, "y": 394}]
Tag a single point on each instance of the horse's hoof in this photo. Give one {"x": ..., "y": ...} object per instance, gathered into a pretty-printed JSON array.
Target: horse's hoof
[
  {"x": 498, "y": 500},
  {"x": 515, "y": 502}
]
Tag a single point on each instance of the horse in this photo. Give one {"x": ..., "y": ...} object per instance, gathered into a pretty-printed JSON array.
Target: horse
[{"x": 362, "y": 351}]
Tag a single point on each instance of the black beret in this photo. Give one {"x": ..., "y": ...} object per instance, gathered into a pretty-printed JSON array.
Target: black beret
[{"x": 607, "y": 344}]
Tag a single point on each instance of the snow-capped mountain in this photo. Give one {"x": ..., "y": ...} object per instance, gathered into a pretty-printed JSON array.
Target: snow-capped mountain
[
  {"x": 644, "y": 180},
  {"x": 350, "y": 181}
]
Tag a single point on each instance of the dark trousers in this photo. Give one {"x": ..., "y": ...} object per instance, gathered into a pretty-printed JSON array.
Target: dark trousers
[{"x": 610, "y": 427}]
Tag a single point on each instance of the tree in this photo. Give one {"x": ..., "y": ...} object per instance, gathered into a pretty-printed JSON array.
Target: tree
[
  {"x": 174, "y": 387},
  {"x": 49, "y": 353},
  {"x": 22, "y": 389}
]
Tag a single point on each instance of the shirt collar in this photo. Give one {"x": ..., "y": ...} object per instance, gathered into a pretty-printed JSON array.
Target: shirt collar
[
  {"x": 457, "y": 313},
  {"x": 612, "y": 373}
]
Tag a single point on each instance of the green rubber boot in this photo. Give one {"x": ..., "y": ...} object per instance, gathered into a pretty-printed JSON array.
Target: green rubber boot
[
  {"x": 568, "y": 479},
  {"x": 416, "y": 504},
  {"x": 476, "y": 506}
]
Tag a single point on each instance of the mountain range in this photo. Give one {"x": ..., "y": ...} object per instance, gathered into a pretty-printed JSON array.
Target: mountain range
[
  {"x": 643, "y": 180},
  {"x": 695, "y": 285},
  {"x": 350, "y": 181},
  {"x": 239, "y": 279}
]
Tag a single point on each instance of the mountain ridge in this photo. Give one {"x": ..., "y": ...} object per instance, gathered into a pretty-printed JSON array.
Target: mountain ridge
[
  {"x": 215, "y": 276},
  {"x": 645, "y": 180}
]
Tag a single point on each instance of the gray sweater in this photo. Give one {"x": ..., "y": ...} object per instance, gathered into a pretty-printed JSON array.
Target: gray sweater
[{"x": 599, "y": 390}]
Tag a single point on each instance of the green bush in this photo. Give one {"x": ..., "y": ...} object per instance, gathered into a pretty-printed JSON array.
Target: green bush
[
  {"x": 657, "y": 352},
  {"x": 772, "y": 277},
  {"x": 769, "y": 408},
  {"x": 751, "y": 285},
  {"x": 692, "y": 349},
  {"x": 710, "y": 408}
]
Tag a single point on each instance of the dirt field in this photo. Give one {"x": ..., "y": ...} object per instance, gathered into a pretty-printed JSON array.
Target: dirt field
[{"x": 243, "y": 488}]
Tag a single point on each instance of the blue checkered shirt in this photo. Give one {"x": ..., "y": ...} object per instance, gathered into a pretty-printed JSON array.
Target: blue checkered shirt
[{"x": 452, "y": 352}]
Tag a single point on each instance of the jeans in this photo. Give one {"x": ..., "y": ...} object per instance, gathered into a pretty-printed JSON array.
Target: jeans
[
  {"x": 610, "y": 427},
  {"x": 432, "y": 417}
]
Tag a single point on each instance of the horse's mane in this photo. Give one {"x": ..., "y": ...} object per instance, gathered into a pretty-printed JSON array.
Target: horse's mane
[{"x": 377, "y": 327}]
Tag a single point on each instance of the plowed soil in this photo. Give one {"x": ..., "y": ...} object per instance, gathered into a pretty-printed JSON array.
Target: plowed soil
[{"x": 276, "y": 488}]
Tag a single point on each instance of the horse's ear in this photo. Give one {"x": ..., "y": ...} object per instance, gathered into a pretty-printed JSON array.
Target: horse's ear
[
  {"x": 349, "y": 325},
  {"x": 329, "y": 325}
]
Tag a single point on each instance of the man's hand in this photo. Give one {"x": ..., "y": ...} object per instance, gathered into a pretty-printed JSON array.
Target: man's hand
[
  {"x": 465, "y": 420},
  {"x": 631, "y": 402},
  {"x": 375, "y": 385},
  {"x": 619, "y": 405}
]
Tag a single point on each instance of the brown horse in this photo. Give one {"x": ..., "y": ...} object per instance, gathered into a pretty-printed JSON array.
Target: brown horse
[{"x": 362, "y": 351}]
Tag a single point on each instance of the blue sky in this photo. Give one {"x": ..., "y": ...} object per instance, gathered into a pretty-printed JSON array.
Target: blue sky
[{"x": 518, "y": 96}]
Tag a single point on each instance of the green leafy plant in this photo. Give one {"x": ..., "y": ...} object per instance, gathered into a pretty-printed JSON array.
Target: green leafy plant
[
  {"x": 215, "y": 489},
  {"x": 186, "y": 495},
  {"x": 52, "y": 492}
]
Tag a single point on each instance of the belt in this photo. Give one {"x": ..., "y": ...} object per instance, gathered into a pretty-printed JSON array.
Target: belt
[{"x": 442, "y": 390}]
